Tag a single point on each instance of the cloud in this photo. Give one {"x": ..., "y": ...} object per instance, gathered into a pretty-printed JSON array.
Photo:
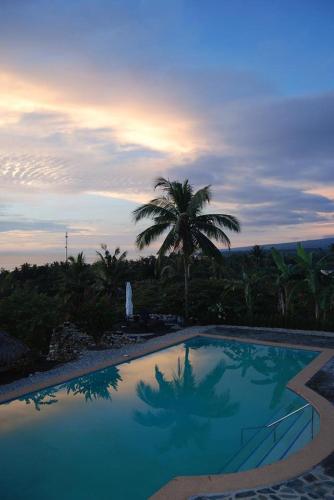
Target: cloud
[
  {"x": 280, "y": 155},
  {"x": 258, "y": 200},
  {"x": 285, "y": 132},
  {"x": 257, "y": 148},
  {"x": 31, "y": 225},
  {"x": 126, "y": 94}
]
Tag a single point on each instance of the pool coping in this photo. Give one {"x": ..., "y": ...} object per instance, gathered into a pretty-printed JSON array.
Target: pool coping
[{"x": 183, "y": 487}]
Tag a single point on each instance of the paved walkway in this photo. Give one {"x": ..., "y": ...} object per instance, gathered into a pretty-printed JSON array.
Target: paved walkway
[{"x": 317, "y": 483}]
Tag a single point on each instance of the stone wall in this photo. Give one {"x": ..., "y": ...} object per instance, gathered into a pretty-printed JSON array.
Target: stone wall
[{"x": 68, "y": 342}]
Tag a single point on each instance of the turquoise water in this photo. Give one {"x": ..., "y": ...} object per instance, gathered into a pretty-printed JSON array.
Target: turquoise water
[{"x": 122, "y": 432}]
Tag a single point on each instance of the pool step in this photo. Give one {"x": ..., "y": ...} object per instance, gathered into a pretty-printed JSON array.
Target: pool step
[
  {"x": 268, "y": 445},
  {"x": 281, "y": 439},
  {"x": 295, "y": 437},
  {"x": 251, "y": 441}
]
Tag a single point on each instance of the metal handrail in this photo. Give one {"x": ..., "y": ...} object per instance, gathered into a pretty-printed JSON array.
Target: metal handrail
[
  {"x": 288, "y": 415},
  {"x": 276, "y": 422}
]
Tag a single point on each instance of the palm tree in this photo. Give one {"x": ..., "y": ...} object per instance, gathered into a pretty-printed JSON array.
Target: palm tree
[
  {"x": 110, "y": 270},
  {"x": 179, "y": 210},
  {"x": 257, "y": 254},
  {"x": 76, "y": 282}
]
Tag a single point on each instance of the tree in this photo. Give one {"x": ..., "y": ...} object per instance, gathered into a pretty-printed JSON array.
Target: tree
[
  {"x": 110, "y": 270},
  {"x": 246, "y": 283},
  {"x": 257, "y": 254},
  {"x": 284, "y": 281},
  {"x": 77, "y": 280},
  {"x": 172, "y": 269},
  {"x": 313, "y": 277},
  {"x": 30, "y": 316},
  {"x": 179, "y": 210}
]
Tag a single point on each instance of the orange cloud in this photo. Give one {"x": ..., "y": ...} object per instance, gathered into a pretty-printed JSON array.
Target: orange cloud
[{"x": 142, "y": 123}]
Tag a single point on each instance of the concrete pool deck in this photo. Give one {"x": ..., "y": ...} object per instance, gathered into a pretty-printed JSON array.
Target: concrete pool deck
[{"x": 245, "y": 484}]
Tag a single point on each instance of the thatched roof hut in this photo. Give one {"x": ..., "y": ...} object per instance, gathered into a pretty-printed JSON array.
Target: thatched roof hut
[{"x": 12, "y": 351}]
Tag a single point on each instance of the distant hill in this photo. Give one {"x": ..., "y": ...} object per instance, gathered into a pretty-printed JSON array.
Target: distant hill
[{"x": 310, "y": 245}]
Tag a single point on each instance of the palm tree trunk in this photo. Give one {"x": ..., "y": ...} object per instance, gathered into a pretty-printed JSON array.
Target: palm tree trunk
[
  {"x": 186, "y": 288},
  {"x": 286, "y": 302},
  {"x": 281, "y": 307}
]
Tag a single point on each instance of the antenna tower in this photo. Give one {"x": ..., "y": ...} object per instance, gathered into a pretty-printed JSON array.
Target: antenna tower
[{"x": 66, "y": 246}]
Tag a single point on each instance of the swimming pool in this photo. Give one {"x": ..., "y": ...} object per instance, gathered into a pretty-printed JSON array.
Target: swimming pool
[{"x": 202, "y": 406}]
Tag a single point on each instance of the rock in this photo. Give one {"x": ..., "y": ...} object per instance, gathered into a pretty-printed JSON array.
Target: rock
[
  {"x": 115, "y": 340},
  {"x": 68, "y": 342}
]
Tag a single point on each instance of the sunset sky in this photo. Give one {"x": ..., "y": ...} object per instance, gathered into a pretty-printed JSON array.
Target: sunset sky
[{"x": 99, "y": 97}]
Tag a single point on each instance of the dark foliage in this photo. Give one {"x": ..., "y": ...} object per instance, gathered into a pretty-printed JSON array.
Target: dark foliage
[{"x": 259, "y": 288}]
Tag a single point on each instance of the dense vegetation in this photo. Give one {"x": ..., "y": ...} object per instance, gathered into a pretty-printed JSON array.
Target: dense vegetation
[{"x": 261, "y": 287}]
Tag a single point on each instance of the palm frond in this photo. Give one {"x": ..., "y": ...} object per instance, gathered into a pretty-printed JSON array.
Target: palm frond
[
  {"x": 182, "y": 195},
  {"x": 152, "y": 233},
  {"x": 222, "y": 220},
  {"x": 278, "y": 259},
  {"x": 207, "y": 247},
  {"x": 199, "y": 199},
  {"x": 164, "y": 202},
  {"x": 214, "y": 232},
  {"x": 162, "y": 183},
  {"x": 151, "y": 210},
  {"x": 168, "y": 244}
]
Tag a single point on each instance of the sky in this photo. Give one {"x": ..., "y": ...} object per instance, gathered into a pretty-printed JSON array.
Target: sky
[{"x": 100, "y": 97}]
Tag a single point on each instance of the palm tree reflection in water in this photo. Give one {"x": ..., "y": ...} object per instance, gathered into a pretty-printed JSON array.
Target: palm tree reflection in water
[
  {"x": 92, "y": 387},
  {"x": 247, "y": 357},
  {"x": 46, "y": 397},
  {"x": 283, "y": 365},
  {"x": 97, "y": 385},
  {"x": 184, "y": 404},
  {"x": 276, "y": 365}
]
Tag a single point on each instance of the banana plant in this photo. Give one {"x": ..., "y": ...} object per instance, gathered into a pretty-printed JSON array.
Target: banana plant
[
  {"x": 285, "y": 283},
  {"x": 246, "y": 283},
  {"x": 316, "y": 283}
]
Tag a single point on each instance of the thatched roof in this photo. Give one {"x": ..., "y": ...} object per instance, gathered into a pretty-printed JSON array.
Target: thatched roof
[{"x": 11, "y": 350}]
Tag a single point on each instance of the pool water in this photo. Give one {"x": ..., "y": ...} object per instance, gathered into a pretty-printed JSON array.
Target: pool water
[{"x": 122, "y": 432}]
